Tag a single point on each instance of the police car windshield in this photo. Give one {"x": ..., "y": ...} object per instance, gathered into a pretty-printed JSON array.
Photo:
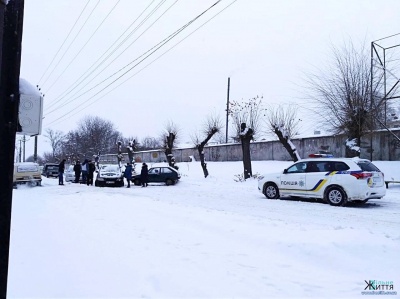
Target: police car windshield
[{"x": 367, "y": 166}]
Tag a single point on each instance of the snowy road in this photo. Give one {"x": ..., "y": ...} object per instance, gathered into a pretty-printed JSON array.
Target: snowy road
[{"x": 204, "y": 238}]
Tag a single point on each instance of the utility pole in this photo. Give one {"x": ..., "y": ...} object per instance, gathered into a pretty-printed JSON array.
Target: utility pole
[
  {"x": 20, "y": 151},
  {"x": 11, "y": 24},
  {"x": 24, "y": 141},
  {"x": 227, "y": 110},
  {"x": 35, "y": 150}
]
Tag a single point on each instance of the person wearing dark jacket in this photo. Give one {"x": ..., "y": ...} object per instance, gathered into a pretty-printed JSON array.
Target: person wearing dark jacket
[
  {"x": 85, "y": 169},
  {"x": 77, "y": 170},
  {"x": 61, "y": 168},
  {"x": 144, "y": 175},
  {"x": 91, "y": 169},
  {"x": 128, "y": 174}
]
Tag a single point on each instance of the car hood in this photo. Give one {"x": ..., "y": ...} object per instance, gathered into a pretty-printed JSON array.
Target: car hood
[{"x": 110, "y": 174}]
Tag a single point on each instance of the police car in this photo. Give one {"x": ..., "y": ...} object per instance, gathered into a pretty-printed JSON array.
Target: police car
[{"x": 335, "y": 180}]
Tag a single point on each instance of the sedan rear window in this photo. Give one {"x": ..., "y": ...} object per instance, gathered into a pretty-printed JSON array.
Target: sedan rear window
[{"x": 367, "y": 166}]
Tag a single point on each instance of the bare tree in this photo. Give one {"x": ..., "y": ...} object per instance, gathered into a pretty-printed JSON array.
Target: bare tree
[
  {"x": 148, "y": 143},
  {"x": 39, "y": 159},
  {"x": 284, "y": 123},
  {"x": 93, "y": 136},
  {"x": 56, "y": 139},
  {"x": 169, "y": 139},
  {"x": 246, "y": 117},
  {"x": 212, "y": 125},
  {"x": 342, "y": 94}
]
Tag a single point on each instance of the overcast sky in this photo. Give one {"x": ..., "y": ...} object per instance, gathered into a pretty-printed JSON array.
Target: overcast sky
[{"x": 265, "y": 47}]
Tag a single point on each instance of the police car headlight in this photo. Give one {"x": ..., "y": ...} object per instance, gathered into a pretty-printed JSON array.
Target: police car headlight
[
  {"x": 260, "y": 177},
  {"x": 100, "y": 179}
]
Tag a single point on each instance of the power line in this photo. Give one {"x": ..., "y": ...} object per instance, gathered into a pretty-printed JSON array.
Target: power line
[
  {"x": 59, "y": 49},
  {"x": 89, "y": 39},
  {"x": 66, "y": 51},
  {"x": 80, "y": 81},
  {"x": 162, "y": 44}
]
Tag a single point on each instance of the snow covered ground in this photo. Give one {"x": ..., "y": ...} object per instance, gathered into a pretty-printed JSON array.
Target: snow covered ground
[{"x": 202, "y": 238}]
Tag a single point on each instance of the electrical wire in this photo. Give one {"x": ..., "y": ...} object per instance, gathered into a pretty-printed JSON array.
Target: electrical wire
[
  {"x": 80, "y": 81},
  {"x": 165, "y": 41},
  {"x": 59, "y": 49},
  {"x": 89, "y": 39},
  {"x": 66, "y": 51}
]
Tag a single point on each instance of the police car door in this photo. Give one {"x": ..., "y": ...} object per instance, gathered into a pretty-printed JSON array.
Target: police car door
[
  {"x": 292, "y": 181},
  {"x": 316, "y": 178}
]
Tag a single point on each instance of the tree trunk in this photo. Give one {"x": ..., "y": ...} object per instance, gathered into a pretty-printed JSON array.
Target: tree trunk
[
  {"x": 286, "y": 145},
  {"x": 200, "y": 148},
  {"x": 352, "y": 148},
  {"x": 169, "y": 143},
  {"x": 246, "y": 136}
]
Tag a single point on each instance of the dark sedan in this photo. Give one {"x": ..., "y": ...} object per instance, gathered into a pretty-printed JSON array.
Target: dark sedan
[{"x": 162, "y": 174}]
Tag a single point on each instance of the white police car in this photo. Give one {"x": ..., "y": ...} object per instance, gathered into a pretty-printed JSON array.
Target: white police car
[{"x": 335, "y": 180}]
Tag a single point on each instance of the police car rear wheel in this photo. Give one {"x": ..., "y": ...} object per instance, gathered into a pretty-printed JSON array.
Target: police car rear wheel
[
  {"x": 336, "y": 197},
  {"x": 271, "y": 191}
]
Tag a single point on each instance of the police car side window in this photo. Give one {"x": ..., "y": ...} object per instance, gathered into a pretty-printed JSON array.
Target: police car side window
[
  {"x": 340, "y": 166},
  {"x": 297, "y": 168}
]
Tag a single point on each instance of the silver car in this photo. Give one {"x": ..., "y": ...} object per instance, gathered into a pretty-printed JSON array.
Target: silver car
[{"x": 70, "y": 174}]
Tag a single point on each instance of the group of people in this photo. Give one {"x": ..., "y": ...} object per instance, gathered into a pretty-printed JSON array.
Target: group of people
[
  {"x": 144, "y": 174},
  {"x": 88, "y": 167}
]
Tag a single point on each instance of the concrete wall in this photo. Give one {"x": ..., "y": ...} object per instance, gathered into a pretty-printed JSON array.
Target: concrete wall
[{"x": 385, "y": 147}]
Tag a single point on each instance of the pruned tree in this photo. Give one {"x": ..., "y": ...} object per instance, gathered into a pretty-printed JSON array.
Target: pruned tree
[
  {"x": 56, "y": 140},
  {"x": 132, "y": 145},
  {"x": 284, "y": 123},
  {"x": 169, "y": 138},
  {"x": 246, "y": 118},
  {"x": 211, "y": 126},
  {"x": 342, "y": 93}
]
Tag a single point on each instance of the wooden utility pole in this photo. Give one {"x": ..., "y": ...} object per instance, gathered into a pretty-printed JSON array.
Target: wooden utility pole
[
  {"x": 227, "y": 109},
  {"x": 11, "y": 23},
  {"x": 35, "y": 150}
]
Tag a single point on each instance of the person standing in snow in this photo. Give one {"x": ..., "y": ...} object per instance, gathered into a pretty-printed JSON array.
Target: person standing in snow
[
  {"x": 144, "y": 175},
  {"x": 91, "y": 169},
  {"x": 128, "y": 174},
  {"x": 61, "y": 168},
  {"x": 85, "y": 170},
  {"x": 77, "y": 170},
  {"x": 96, "y": 161}
]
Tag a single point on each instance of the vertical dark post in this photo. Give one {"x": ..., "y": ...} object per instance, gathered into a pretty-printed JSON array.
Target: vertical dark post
[
  {"x": 384, "y": 84},
  {"x": 20, "y": 151},
  {"x": 24, "y": 141},
  {"x": 227, "y": 110},
  {"x": 35, "y": 150},
  {"x": 10, "y": 60},
  {"x": 371, "y": 98}
]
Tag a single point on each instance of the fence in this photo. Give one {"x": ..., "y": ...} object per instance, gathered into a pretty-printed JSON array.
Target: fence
[{"x": 384, "y": 147}]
